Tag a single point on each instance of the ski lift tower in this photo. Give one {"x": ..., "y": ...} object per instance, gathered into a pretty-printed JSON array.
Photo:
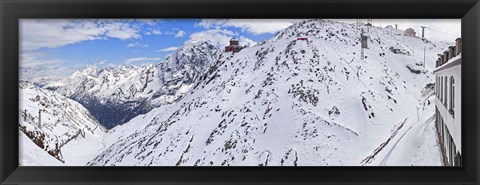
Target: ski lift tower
[
  {"x": 364, "y": 44},
  {"x": 40, "y": 118},
  {"x": 423, "y": 32}
]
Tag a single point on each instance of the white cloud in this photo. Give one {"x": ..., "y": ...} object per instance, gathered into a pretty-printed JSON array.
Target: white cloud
[
  {"x": 49, "y": 33},
  {"x": 168, "y": 49},
  {"x": 154, "y": 32},
  {"x": 180, "y": 33},
  {"x": 29, "y": 59},
  {"x": 131, "y": 45},
  {"x": 101, "y": 62},
  {"x": 141, "y": 59},
  {"x": 176, "y": 32},
  {"x": 219, "y": 37},
  {"x": 38, "y": 64},
  {"x": 137, "y": 44},
  {"x": 149, "y": 22},
  {"x": 254, "y": 26},
  {"x": 120, "y": 30}
]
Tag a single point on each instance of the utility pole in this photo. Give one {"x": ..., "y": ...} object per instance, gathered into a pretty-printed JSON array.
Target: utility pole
[
  {"x": 423, "y": 32},
  {"x": 39, "y": 118},
  {"x": 361, "y": 45}
]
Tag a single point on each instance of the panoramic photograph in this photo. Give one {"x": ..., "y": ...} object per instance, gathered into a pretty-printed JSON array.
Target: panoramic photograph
[{"x": 240, "y": 92}]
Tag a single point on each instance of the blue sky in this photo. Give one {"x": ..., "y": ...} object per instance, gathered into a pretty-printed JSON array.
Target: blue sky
[{"x": 58, "y": 47}]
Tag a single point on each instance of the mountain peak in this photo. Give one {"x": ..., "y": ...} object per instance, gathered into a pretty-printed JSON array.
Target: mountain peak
[{"x": 198, "y": 53}]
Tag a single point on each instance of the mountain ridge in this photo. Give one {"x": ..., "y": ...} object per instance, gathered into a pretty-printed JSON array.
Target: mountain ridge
[{"x": 277, "y": 103}]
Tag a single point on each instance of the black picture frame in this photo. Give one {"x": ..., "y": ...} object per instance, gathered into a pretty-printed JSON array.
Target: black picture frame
[{"x": 13, "y": 10}]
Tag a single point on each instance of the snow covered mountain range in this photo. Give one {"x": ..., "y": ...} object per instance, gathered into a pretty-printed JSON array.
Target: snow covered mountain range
[
  {"x": 282, "y": 102},
  {"x": 115, "y": 95}
]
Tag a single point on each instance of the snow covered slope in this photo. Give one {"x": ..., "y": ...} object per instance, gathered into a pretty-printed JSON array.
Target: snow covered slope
[
  {"x": 287, "y": 102},
  {"x": 414, "y": 142},
  {"x": 31, "y": 155},
  {"x": 117, "y": 94},
  {"x": 58, "y": 126}
]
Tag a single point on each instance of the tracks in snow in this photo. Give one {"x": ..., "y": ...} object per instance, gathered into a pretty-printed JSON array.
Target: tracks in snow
[{"x": 370, "y": 158}]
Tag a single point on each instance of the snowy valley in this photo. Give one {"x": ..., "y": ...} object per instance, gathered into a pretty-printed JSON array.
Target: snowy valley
[{"x": 283, "y": 102}]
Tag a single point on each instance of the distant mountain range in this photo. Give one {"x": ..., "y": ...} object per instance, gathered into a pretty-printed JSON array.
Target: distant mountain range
[{"x": 115, "y": 95}]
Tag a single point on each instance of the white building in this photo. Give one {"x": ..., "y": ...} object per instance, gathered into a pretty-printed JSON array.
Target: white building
[{"x": 448, "y": 103}]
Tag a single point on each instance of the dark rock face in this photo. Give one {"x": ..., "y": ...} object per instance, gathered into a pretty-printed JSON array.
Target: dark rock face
[{"x": 110, "y": 114}]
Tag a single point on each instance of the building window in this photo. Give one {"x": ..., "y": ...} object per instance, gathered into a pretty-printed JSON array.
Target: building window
[
  {"x": 452, "y": 95},
  {"x": 441, "y": 89},
  {"x": 445, "y": 92},
  {"x": 443, "y": 130},
  {"x": 452, "y": 150},
  {"x": 446, "y": 144}
]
